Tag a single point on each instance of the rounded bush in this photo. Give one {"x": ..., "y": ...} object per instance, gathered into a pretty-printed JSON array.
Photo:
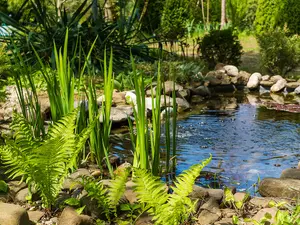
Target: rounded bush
[{"x": 220, "y": 46}]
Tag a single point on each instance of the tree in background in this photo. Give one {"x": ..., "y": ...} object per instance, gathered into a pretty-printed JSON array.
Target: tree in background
[
  {"x": 223, "y": 13},
  {"x": 290, "y": 16},
  {"x": 174, "y": 18}
]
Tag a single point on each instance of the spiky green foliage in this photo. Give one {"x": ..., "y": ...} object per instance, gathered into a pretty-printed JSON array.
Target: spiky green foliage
[
  {"x": 108, "y": 198},
  {"x": 43, "y": 164},
  {"x": 168, "y": 209}
]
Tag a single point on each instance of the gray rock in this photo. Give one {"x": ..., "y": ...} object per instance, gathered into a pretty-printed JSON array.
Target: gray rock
[
  {"x": 277, "y": 187},
  {"x": 291, "y": 174},
  {"x": 198, "y": 192},
  {"x": 210, "y": 212},
  {"x": 265, "y": 77},
  {"x": 201, "y": 91},
  {"x": 224, "y": 221},
  {"x": 35, "y": 216},
  {"x": 279, "y": 85},
  {"x": 11, "y": 214},
  {"x": 182, "y": 104},
  {"x": 216, "y": 193},
  {"x": 276, "y": 78},
  {"x": 241, "y": 196},
  {"x": 232, "y": 71},
  {"x": 216, "y": 78},
  {"x": 15, "y": 187},
  {"x": 254, "y": 81},
  {"x": 70, "y": 217},
  {"x": 73, "y": 181},
  {"x": 169, "y": 87},
  {"x": 292, "y": 85},
  {"x": 297, "y": 91},
  {"x": 22, "y": 195},
  {"x": 260, "y": 214}
]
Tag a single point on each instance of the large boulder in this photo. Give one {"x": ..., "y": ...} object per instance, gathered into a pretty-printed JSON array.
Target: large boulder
[
  {"x": 291, "y": 174},
  {"x": 11, "y": 214},
  {"x": 169, "y": 85},
  {"x": 278, "y": 187},
  {"x": 279, "y": 85},
  {"x": 254, "y": 81},
  {"x": 232, "y": 71},
  {"x": 70, "y": 217}
]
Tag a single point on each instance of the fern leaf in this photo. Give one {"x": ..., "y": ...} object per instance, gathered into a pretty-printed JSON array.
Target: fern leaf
[
  {"x": 117, "y": 188},
  {"x": 149, "y": 189}
]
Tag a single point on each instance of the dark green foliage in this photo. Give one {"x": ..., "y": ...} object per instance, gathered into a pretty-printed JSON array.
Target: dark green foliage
[
  {"x": 220, "y": 46},
  {"x": 290, "y": 16},
  {"x": 279, "y": 53},
  {"x": 174, "y": 19}
]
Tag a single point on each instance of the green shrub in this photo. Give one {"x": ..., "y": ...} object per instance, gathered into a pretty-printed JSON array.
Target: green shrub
[
  {"x": 279, "y": 53},
  {"x": 220, "y": 46}
]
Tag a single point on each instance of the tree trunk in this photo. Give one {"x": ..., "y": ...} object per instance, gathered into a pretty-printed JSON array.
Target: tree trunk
[
  {"x": 223, "y": 13},
  {"x": 202, "y": 8},
  {"x": 207, "y": 13},
  {"x": 95, "y": 9},
  {"x": 58, "y": 7},
  {"x": 109, "y": 10}
]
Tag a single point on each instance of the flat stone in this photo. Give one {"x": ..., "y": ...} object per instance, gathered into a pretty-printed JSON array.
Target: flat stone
[
  {"x": 277, "y": 187},
  {"x": 276, "y": 78},
  {"x": 119, "y": 114},
  {"x": 168, "y": 85},
  {"x": 216, "y": 193},
  {"x": 292, "y": 85},
  {"x": 228, "y": 213},
  {"x": 35, "y": 216},
  {"x": 11, "y": 214},
  {"x": 22, "y": 195},
  {"x": 263, "y": 202},
  {"x": 291, "y": 173},
  {"x": 266, "y": 83},
  {"x": 224, "y": 221},
  {"x": 73, "y": 181},
  {"x": 210, "y": 212},
  {"x": 70, "y": 217},
  {"x": 260, "y": 214},
  {"x": 15, "y": 187}
]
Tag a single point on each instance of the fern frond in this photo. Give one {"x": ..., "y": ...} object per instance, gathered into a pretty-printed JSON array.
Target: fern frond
[
  {"x": 149, "y": 189},
  {"x": 117, "y": 188}
]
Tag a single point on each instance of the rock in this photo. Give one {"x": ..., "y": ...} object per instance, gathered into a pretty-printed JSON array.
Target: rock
[
  {"x": 228, "y": 213},
  {"x": 265, "y": 77},
  {"x": 198, "y": 192},
  {"x": 131, "y": 196},
  {"x": 169, "y": 87},
  {"x": 70, "y": 217},
  {"x": 279, "y": 85},
  {"x": 291, "y": 174},
  {"x": 118, "y": 98},
  {"x": 254, "y": 81},
  {"x": 130, "y": 98},
  {"x": 258, "y": 217},
  {"x": 210, "y": 212},
  {"x": 298, "y": 167},
  {"x": 106, "y": 182},
  {"x": 196, "y": 99},
  {"x": 220, "y": 66},
  {"x": 243, "y": 78},
  {"x": 224, "y": 221},
  {"x": 201, "y": 91},
  {"x": 11, "y": 214},
  {"x": 297, "y": 91},
  {"x": 292, "y": 85},
  {"x": 277, "y": 98},
  {"x": 264, "y": 202},
  {"x": 120, "y": 113},
  {"x": 241, "y": 196},
  {"x": 130, "y": 185},
  {"x": 144, "y": 220},
  {"x": 215, "y": 193},
  {"x": 267, "y": 84},
  {"x": 277, "y": 187},
  {"x": 232, "y": 71},
  {"x": 35, "y": 216},
  {"x": 216, "y": 78},
  {"x": 276, "y": 78},
  {"x": 96, "y": 173},
  {"x": 22, "y": 195},
  {"x": 182, "y": 104},
  {"x": 73, "y": 181},
  {"x": 15, "y": 187},
  {"x": 185, "y": 93}
]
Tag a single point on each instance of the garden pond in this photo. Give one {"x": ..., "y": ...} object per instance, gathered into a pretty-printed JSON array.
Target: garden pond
[{"x": 248, "y": 142}]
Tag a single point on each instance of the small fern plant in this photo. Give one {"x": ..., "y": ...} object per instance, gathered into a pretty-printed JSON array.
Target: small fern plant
[
  {"x": 43, "y": 164},
  {"x": 108, "y": 198},
  {"x": 168, "y": 209}
]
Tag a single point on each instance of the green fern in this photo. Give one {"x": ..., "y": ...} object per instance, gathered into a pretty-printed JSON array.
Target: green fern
[
  {"x": 44, "y": 164},
  {"x": 167, "y": 209},
  {"x": 107, "y": 198}
]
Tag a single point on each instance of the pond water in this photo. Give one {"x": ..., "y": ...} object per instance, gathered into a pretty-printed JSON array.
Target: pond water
[{"x": 247, "y": 143}]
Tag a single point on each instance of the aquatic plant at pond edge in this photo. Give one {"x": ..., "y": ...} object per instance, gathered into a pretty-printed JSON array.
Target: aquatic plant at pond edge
[{"x": 45, "y": 164}]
